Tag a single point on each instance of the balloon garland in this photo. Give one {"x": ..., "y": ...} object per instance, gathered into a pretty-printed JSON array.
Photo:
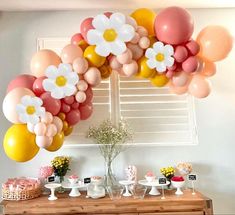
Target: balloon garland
[{"x": 46, "y": 105}]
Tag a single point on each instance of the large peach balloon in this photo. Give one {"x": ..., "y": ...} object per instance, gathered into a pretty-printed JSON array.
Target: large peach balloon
[
  {"x": 41, "y": 60},
  {"x": 199, "y": 86},
  {"x": 215, "y": 43},
  {"x": 11, "y": 100},
  {"x": 70, "y": 52},
  {"x": 19, "y": 144}
]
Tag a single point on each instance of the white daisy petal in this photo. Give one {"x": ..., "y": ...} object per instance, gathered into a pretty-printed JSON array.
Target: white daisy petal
[
  {"x": 117, "y": 20},
  {"x": 57, "y": 93},
  {"x": 168, "y": 50},
  {"x": 94, "y": 37},
  {"x": 151, "y": 63},
  {"x": 37, "y": 101},
  {"x": 158, "y": 46},
  {"x": 41, "y": 111},
  {"x": 51, "y": 71},
  {"x": 64, "y": 69},
  {"x": 160, "y": 67},
  {"x": 103, "y": 49},
  {"x": 25, "y": 100},
  {"x": 69, "y": 90},
  {"x": 72, "y": 78},
  {"x": 169, "y": 61},
  {"x": 101, "y": 22},
  {"x": 48, "y": 84},
  {"x": 126, "y": 33},
  {"x": 118, "y": 47},
  {"x": 150, "y": 53},
  {"x": 33, "y": 119},
  {"x": 20, "y": 109},
  {"x": 23, "y": 118}
]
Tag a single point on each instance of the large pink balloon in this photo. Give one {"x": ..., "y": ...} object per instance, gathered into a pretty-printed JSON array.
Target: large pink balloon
[
  {"x": 10, "y": 102},
  {"x": 85, "y": 26},
  {"x": 51, "y": 104},
  {"x": 173, "y": 25},
  {"x": 73, "y": 117},
  {"x": 70, "y": 53},
  {"x": 41, "y": 60},
  {"x": 76, "y": 38},
  {"x": 199, "y": 86},
  {"x": 37, "y": 86},
  {"x": 25, "y": 81},
  {"x": 86, "y": 111},
  {"x": 215, "y": 43}
]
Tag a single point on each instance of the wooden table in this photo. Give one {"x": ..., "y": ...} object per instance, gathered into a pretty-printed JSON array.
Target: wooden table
[{"x": 186, "y": 204}]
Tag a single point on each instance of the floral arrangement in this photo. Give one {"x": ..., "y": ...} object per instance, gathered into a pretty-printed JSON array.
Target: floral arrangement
[
  {"x": 60, "y": 165},
  {"x": 46, "y": 171},
  {"x": 168, "y": 172},
  {"x": 184, "y": 168}
]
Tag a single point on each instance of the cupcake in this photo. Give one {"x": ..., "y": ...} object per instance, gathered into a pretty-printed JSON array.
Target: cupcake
[
  {"x": 150, "y": 177},
  {"x": 73, "y": 179}
]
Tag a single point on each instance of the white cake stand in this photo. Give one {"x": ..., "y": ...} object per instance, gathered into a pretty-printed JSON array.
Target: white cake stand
[
  {"x": 154, "y": 184},
  {"x": 126, "y": 183},
  {"x": 74, "y": 188},
  {"x": 52, "y": 187}
]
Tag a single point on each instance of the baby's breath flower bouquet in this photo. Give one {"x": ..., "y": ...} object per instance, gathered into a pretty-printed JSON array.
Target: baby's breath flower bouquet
[{"x": 112, "y": 140}]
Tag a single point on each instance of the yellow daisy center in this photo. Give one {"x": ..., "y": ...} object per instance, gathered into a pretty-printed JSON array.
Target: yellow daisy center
[
  {"x": 60, "y": 81},
  {"x": 110, "y": 35},
  {"x": 160, "y": 57},
  {"x": 30, "y": 110}
]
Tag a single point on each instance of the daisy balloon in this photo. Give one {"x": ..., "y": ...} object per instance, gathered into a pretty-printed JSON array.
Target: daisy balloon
[
  {"x": 30, "y": 109},
  {"x": 160, "y": 57},
  {"x": 61, "y": 81},
  {"x": 110, "y": 34}
]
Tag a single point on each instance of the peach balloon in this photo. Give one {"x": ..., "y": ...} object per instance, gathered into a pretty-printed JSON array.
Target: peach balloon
[
  {"x": 47, "y": 118},
  {"x": 178, "y": 90},
  {"x": 144, "y": 42},
  {"x": 142, "y": 31},
  {"x": 135, "y": 39},
  {"x": 43, "y": 141},
  {"x": 58, "y": 123},
  {"x": 199, "y": 86},
  {"x": 131, "y": 21},
  {"x": 41, "y": 60},
  {"x": 51, "y": 130},
  {"x": 180, "y": 79},
  {"x": 80, "y": 97},
  {"x": 82, "y": 85},
  {"x": 70, "y": 52},
  {"x": 40, "y": 129},
  {"x": 80, "y": 65},
  {"x": 137, "y": 52},
  {"x": 92, "y": 76},
  {"x": 130, "y": 69},
  {"x": 114, "y": 64},
  {"x": 10, "y": 102},
  {"x": 208, "y": 68},
  {"x": 125, "y": 57},
  {"x": 215, "y": 43}
]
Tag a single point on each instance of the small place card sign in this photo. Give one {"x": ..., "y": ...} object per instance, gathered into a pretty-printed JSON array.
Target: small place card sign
[
  {"x": 192, "y": 177},
  {"x": 87, "y": 180},
  {"x": 51, "y": 179},
  {"x": 162, "y": 180}
]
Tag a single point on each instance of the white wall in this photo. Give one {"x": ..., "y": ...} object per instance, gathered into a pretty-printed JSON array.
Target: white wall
[{"x": 213, "y": 159}]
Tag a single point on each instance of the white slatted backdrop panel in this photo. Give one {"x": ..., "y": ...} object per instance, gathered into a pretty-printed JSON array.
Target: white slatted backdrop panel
[{"x": 156, "y": 116}]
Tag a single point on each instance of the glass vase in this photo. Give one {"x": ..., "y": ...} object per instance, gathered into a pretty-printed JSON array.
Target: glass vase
[
  {"x": 109, "y": 178},
  {"x": 61, "y": 189}
]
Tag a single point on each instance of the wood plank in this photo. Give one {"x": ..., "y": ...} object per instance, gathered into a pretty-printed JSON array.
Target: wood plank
[
  {"x": 81, "y": 205},
  {"x": 176, "y": 213}
]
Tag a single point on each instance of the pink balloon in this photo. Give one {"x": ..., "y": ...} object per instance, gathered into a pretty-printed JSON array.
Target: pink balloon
[
  {"x": 73, "y": 117},
  {"x": 86, "y": 111},
  {"x": 37, "y": 86},
  {"x": 125, "y": 57},
  {"x": 51, "y": 104},
  {"x": 80, "y": 65},
  {"x": 144, "y": 42},
  {"x": 82, "y": 85},
  {"x": 89, "y": 96},
  {"x": 51, "y": 130},
  {"x": 75, "y": 105},
  {"x": 180, "y": 54},
  {"x": 130, "y": 69},
  {"x": 25, "y": 81},
  {"x": 80, "y": 97},
  {"x": 40, "y": 129},
  {"x": 47, "y": 118},
  {"x": 10, "y": 102},
  {"x": 142, "y": 31},
  {"x": 193, "y": 47},
  {"x": 70, "y": 53},
  {"x": 114, "y": 64},
  {"x": 135, "y": 39},
  {"x": 69, "y": 100},
  {"x": 180, "y": 79},
  {"x": 65, "y": 108},
  {"x": 58, "y": 123},
  {"x": 199, "y": 87},
  {"x": 43, "y": 141},
  {"x": 190, "y": 65},
  {"x": 108, "y": 14},
  {"x": 93, "y": 76},
  {"x": 178, "y": 90},
  {"x": 137, "y": 52},
  {"x": 173, "y": 25},
  {"x": 85, "y": 26},
  {"x": 76, "y": 38}
]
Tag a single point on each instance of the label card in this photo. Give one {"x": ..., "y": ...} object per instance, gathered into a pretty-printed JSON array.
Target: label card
[
  {"x": 192, "y": 177},
  {"x": 87, "y": 180},
  {"x": 51, "y": 179},
  {"x": 162, "y": 180}
]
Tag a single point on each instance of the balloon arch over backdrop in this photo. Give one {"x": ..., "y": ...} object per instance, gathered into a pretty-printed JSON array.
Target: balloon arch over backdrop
[{"x": 46, "y": 105}]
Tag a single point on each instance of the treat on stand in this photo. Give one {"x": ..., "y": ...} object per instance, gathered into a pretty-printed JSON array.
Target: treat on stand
[
  {"x": 131, "y": 173},
  {"x": 73, "y": 179},
  {"x": 95, "y": 189},
  {"x": 184, "y": 168},
  {"x": 21, "y": 189},
  {"x": 150, "y": 177},
  {"x": 178, "y": 182}
]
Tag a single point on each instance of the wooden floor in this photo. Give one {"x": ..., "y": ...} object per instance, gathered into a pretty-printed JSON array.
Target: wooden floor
[{"x": 186, "y": 204}]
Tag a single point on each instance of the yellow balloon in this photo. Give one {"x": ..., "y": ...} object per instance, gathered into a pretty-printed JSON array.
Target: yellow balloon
[
  {"x": 62, "y": 116},
  {"x": 159, "y": 80},
  {"x": 152, "y": 39},
  {"x": 144, "y": 70},
  {"x": 105, "y": 71},
  {"x": 83, "y": 44},
  {"x": 146, "y": 18},
  {"x": 93, "y": 58},
  {"x": 19, "y": 144},
  {"x": 68, "y": 131},
  {"x": 57, "y": 142},
  {"x": 65, "y": 125}
]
